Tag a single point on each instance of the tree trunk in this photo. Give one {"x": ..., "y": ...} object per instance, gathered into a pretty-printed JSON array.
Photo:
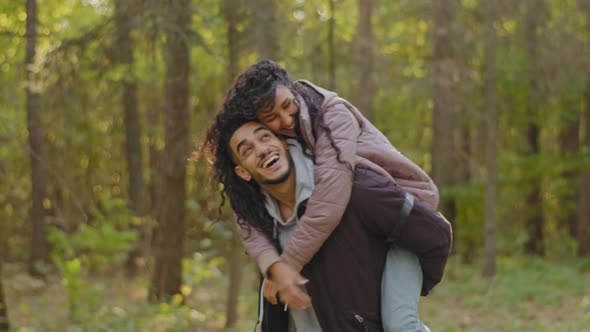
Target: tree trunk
[
  {"x": 124, "y": 15},
  {"x": 491, "y": 149},
  {"x": 443, "y": 119},
  {"x": 4, "y": 322},
  {"x": 583, "y": 227},
  {"x": 230, "y": 10},
  {"x": 266, "y": 30},
  {"x": 38, "y": 168},
  {"x": 155, "y": 185},
  {"x": 570, "y": 145},
  {"x": 365, "y": 58},
  {"x": 534, "y": 221},
  {"x": 235, "y": 253},
  {"x": 235, "y": 280},
  {"x": 167, "y": 277},
  {"x": 331, "y": 47}
]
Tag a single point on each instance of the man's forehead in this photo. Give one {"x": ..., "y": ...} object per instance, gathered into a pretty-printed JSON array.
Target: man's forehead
[
  {"x": 247, "y": 129},
  {"x": 244, "y": 131}
]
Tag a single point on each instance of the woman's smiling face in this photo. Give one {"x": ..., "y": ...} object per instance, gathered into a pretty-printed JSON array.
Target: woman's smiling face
[{"x": 282, "y": 117}]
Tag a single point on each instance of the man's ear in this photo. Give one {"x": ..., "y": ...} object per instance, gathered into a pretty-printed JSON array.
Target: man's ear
[{"x": 242, "y": 173}]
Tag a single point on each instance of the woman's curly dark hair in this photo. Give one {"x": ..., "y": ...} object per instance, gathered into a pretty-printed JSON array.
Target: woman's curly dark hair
[
  {"x": 252, "y": 91},
  {"x": 255, "y": 90}
]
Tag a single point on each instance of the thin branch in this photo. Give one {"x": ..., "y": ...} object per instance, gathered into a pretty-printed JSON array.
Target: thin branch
[{"x": 9, "y": 33}]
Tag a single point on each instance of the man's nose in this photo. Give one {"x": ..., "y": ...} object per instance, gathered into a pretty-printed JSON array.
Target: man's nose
[{"x": 261, "y": 150}]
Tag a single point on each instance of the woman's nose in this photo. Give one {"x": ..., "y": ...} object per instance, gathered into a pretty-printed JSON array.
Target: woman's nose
[{"x": 286, "y": 120}]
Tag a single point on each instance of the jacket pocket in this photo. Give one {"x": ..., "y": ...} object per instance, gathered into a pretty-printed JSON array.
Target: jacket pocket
[{"x": 364, "y": 322}]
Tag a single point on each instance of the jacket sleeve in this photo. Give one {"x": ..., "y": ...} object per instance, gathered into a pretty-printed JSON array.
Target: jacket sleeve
[
  {"x": 414, "y": 180},
  {"x": 333, "y": 184},
  {"x": 259, "y": 247},
  {"x": 378, "y": 203}
]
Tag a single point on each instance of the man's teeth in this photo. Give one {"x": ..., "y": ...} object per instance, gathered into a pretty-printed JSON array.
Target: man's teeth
[{"x": 270, "y": 161}]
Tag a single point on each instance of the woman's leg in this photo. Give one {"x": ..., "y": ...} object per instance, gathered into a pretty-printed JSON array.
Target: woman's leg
[{"x": 400, "y": 292}]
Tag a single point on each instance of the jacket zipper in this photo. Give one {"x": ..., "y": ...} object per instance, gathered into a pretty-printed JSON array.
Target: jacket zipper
[{"x": 361, "y": 320}]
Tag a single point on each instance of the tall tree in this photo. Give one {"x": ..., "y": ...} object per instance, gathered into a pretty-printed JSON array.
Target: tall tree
[
  {"x": 266, "y": 30},
  {"x": 124, "y": 16},
  {"x": 365, "y": 58},
  {"x": 492, "y": 136},
  {"x": 4, "y": 322},
  {"x": 167, "y": 277},
  {"x": 331, "y": 47},
  {"x": 569, "y": 140},
  {"x": 535, "y": 219},
  {"x": 231, "y": 8},
  {"x": 583, "y": 228},
  {"x": 38, "y": 167},
  {"x": 443, "y": 119}
]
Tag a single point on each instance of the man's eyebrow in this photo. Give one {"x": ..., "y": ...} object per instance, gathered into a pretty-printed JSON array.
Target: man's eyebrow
[
  {"x": 259, "y": 129},
  {"x": 242, "y": 142}
]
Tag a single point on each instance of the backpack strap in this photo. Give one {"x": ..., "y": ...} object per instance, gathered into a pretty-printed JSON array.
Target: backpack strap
[{"x": 402, "y": 218}]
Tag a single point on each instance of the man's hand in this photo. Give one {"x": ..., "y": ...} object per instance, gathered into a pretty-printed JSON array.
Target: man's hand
[{"x": 287, "y": 282}]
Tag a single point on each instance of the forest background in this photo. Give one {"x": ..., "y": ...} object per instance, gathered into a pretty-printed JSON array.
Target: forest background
[{"x": 107, "y": 224}]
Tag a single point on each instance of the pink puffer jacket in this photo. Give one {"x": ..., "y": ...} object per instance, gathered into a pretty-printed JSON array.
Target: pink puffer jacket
[{"x": 361, "y": 145}]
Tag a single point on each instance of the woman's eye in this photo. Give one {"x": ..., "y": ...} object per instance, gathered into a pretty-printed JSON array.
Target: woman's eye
[{"x": 287, "y": 105}]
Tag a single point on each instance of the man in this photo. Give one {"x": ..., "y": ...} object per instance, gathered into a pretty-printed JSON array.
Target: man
[{"x": 267, "y": 189}]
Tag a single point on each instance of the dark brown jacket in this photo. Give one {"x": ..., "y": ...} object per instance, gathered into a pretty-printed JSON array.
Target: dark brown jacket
[{"x": 345, "y": 275}]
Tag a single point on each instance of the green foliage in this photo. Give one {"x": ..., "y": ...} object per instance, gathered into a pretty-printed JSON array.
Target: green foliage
[
  {"x": 93, "y": 247},
  {"x": 84, "y": 140},
  {"x": 100, "y": 244},
  {"x": 469, "y": 222}
]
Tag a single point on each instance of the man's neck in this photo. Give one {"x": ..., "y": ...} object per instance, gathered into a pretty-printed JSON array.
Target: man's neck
[{"x": 284, "y": 192}]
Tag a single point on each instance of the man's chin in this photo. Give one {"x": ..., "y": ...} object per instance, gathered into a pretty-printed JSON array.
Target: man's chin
[{"x": 278, "y": 180}]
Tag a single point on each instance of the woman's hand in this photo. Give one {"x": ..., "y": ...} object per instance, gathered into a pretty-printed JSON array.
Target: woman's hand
[
  {"x": 287, "y": 282},
  {"x": 270, "y": 291}
]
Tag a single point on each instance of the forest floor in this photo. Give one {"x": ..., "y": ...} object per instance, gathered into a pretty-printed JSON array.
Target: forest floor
[{"x": 528, "y": 294}]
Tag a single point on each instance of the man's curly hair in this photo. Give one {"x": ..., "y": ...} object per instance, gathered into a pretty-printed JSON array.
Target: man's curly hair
[
  {"x": 252, "y": 91},
  {"x": 245, "y": 197}
]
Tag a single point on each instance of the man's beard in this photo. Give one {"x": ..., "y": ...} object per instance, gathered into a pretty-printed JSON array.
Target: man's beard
[{"x": 281, "y": 178}]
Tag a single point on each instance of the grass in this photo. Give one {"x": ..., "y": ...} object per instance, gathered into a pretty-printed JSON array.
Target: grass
[{"x": 527, "y": 294}]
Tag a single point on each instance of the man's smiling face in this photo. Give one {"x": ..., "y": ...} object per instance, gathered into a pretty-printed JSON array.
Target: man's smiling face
[{"x": 260, "y": 155}]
